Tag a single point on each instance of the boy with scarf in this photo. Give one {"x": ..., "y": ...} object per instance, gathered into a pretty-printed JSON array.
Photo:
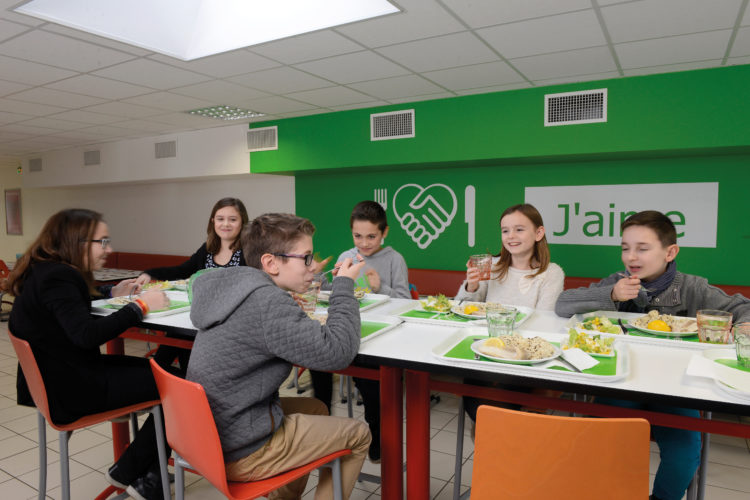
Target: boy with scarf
[{"x": 652, "y": 282}]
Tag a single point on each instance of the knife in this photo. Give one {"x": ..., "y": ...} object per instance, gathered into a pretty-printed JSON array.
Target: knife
[{"x": 469, "y": 211}]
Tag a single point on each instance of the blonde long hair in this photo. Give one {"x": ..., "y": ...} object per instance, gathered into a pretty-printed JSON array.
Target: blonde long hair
[{"x": 541, "y": 250}]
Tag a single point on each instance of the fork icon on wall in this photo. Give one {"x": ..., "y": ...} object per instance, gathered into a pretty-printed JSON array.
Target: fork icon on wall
[{"x": 381, "y": 197}]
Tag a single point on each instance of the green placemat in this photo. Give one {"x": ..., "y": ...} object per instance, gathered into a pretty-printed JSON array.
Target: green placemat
[
  {"x": 733, "y": 363},
  {"x": 462, "y": 350},
  {"x": 436, "y": 316},
  {"x": 369, "y": 327},
  {"x": 637, "y": 333},
  {"x": 175, "y": 304}
]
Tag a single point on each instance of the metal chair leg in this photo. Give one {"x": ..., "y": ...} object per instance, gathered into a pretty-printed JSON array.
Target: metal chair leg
[
  {"x": 459, "y": 450},
  {"x": 162, "y": 448},
  {"x": 338, "y": 490},
  {"x": 42, "y": 430},
  {"x": 349, "y": 397},
  {"x": 64, "y": 464}
]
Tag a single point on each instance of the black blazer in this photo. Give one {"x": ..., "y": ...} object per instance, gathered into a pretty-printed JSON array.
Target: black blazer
[{"x": 53, "y": 313}]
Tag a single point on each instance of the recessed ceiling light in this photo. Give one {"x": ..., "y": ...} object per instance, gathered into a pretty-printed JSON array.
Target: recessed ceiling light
[
  {"x": 224, "y": 112},
  {"x": 189, "y": 29}
]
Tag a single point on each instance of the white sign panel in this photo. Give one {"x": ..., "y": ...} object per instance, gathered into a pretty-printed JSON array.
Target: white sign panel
[{"x": 592, "y": 215}]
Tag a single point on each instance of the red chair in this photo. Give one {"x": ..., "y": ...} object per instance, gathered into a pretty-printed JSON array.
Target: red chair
[
  {"x": 39, "y": 394},
  {"x": 4, "y": 273},
  {"x": 192, "y": 434}
]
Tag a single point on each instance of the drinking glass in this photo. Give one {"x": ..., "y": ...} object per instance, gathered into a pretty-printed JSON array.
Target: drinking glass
[
  {"x": 483, "y": 262},
  {"x": 714, "y": 326},
  {"x": 742, "y": 343},
  {"x": 500, "y": 319},
  {"x": 308, "y": 300}
]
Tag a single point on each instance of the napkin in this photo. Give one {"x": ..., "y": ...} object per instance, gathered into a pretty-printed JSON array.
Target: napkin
[
  {"x": 702, "y": 366},
  {"x": 579, "y": 359}
]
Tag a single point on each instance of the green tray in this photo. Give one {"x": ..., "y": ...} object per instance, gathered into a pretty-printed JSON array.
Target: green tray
[{"x": 607, "y": 365}]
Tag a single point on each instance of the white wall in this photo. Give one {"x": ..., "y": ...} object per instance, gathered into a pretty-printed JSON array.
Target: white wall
[
  {"x": 200, "y": 153},
  {"x": 152, "y": 206},
  {"x": 166, "y": 217}
]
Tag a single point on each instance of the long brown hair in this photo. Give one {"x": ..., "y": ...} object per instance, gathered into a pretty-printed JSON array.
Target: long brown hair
[
  {"x": 64, "y": 238},
  {"x": 541, "y": 250},
  {"x": 213, "y": 242}
]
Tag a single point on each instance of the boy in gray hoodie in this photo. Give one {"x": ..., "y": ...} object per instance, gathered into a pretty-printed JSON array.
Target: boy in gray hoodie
[{"x": 251, "y": 331}]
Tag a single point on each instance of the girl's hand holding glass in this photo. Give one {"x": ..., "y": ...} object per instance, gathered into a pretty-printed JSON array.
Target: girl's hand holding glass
[{"x": 473, "y": 277}]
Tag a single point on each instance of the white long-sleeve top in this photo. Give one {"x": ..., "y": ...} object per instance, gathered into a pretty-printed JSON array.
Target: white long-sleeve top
[{"x": 539, "y": 292}]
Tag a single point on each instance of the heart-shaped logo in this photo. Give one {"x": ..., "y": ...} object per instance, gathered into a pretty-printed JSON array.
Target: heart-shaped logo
[{"x": 424, "y": 213}]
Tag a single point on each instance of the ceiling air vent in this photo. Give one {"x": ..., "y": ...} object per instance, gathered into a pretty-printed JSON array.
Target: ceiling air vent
[
  {"x": 393, "y": 125},
  {"x": 570, "y": 108},
  {"x": 92, "y": 158},
  {"x": 166, "y": 149},
  {"x": 35, "y": 165},
  {"x": 263, "y": 139}
]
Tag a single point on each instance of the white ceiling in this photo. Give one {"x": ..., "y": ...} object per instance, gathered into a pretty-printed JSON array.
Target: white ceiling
[{"x": 61, "y": 88}]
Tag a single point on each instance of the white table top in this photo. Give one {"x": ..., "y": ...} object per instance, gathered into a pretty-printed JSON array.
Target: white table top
[{"x": 654, "y": 369}]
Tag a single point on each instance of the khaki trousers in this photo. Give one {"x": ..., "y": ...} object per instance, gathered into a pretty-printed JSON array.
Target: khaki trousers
[{"x": 306, "y": 434}]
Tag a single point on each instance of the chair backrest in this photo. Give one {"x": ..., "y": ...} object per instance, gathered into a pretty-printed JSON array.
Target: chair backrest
[
  {"x": 191, "y": 430},
  {"x": 530, "y": 456},
  {"x": 32, "y": 374}
]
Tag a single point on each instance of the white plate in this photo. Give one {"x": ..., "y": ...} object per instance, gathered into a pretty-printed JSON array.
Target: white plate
[
  {"x": 659, "y": 332},
  {"x": 475, "y": 347},
  {"x": 458, "y": 310}
]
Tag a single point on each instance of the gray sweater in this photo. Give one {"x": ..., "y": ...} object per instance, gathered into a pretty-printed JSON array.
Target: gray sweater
[
  {"x": 391, "y": 266},
  {"x": 684, "y": 296},
  {"x": 250, "y": 334}
]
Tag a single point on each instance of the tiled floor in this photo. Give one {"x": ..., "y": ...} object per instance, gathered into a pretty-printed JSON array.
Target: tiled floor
[{"x": 91, "y": 451}]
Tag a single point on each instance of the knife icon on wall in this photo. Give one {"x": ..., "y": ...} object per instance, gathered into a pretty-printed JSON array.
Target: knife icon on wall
[{"x": 469, "y": 212}]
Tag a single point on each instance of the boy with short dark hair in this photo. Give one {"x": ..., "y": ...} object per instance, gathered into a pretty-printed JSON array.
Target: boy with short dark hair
[
  {"x": 651, "y": 282},
  {"x": 251, "y": 331},
  {"x": 386, "y": 272}
]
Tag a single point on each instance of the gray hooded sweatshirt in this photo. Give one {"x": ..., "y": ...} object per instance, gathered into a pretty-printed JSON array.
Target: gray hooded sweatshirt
[{"x": 250, "y": 334}]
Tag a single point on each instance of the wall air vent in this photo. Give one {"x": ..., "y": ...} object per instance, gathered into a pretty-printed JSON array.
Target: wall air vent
[
  {"x": 92, "y": 158},
  {"x": 393, "y": 125},
  {"x": 166, "y": 149},
  {"x": 570, "y": 108},
  {"x": 263, "y": 139},
  {"x": 35, "y": 165}
]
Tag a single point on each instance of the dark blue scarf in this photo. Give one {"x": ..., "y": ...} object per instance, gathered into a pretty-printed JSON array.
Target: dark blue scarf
[{"x": 661, "y": 283}]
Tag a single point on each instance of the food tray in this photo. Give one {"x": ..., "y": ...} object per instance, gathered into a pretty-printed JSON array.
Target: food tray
[
  {"x": 726, "y": 389},
  {"x": 178, "y": 304},
  {"x": 415, "y": 313},
  {"x": 370, "y": 327},
  {"x": 637, "y": 336},
  {"x": 455, "y": 350}
]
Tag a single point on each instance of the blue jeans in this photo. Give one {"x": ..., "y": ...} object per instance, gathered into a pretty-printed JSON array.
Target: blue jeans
[{"x": 679, "y": 450}]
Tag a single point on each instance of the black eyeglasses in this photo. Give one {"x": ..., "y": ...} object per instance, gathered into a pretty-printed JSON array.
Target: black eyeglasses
[
  {"x": 307, "y": 258},
  {"x": 104, "y": 242}
]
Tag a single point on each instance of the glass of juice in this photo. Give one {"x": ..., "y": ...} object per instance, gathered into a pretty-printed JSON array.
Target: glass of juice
[{"x": 483, "y": 262}]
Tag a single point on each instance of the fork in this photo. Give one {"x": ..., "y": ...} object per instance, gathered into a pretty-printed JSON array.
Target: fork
[
  {"x": 381, "y": 197},
  {"x": 626, "y": 275}
]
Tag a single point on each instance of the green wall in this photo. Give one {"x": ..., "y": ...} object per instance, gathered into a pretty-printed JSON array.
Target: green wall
[{"x": 678, "y": 127}]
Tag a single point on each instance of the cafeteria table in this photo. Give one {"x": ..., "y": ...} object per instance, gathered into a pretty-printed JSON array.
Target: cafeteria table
[{"x": 656, "y": 373}]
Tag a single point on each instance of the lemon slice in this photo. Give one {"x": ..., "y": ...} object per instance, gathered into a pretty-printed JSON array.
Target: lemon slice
[
  {"x": 494, "y": 342},
  {"x": 659, "y": 326}
]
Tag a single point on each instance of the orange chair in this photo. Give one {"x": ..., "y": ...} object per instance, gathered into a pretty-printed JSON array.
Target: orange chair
[
  {"x": 39, "y": 394},
  {"x": 192, "y": 434},
  {"x": 530, "y": 456}
]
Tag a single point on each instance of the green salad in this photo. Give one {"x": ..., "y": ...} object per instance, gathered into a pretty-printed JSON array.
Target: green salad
[
  {"x": 599, "y": 324},
  {"x": 441, "y": 303},
  {"x": 594, "y": 344}
]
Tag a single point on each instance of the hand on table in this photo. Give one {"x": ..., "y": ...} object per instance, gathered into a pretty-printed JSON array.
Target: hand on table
[
  {"x": 143, "y": 279},
  {"x": 155, "y": 300},
  {"x": 126, "y": 287}
]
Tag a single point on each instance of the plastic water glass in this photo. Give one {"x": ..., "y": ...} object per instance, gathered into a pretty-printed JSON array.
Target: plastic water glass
[
  {"x": 500, "y": 319},
  {"x": 742, "y": 343},
  {"x": 714, "y": 326},
  {"x": 483, "y": 262},
  {"x": 308, "y": 300}
]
